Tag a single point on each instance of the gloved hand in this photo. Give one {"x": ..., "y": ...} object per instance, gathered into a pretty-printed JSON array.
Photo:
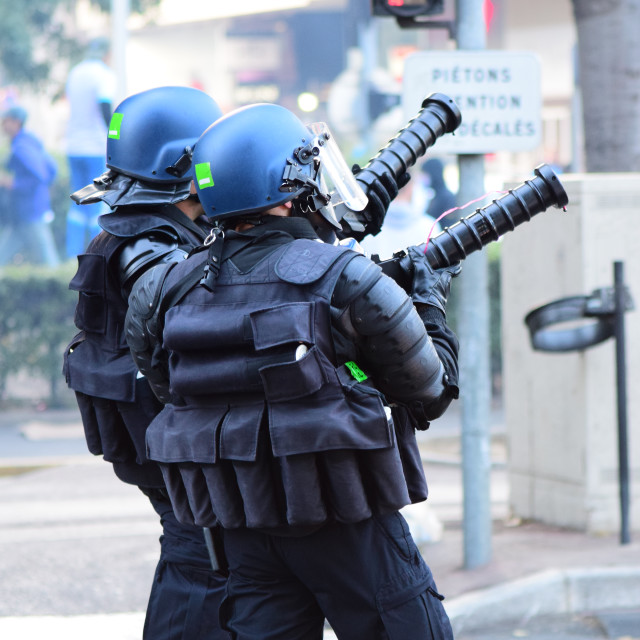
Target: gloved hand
[
  {"x": 380, "y": 192},
  {"x": 430, "y": 286}
]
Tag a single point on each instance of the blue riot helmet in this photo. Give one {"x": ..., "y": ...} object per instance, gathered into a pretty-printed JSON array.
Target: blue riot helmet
[
  {"x": 149, "y": 145},
  {"x": 261, "y": 156},
  {"x": 150, "y": 132}
]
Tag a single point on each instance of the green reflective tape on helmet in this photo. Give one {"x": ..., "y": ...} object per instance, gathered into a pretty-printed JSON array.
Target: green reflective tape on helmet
[
  {"x": 114, "y": 126},
  {"x": 356, "y": 371},
  {"x": 203, "y": 175}
]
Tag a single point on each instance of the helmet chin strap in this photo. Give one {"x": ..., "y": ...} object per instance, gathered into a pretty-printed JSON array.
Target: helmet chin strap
[{"x": 320, "y": 224}]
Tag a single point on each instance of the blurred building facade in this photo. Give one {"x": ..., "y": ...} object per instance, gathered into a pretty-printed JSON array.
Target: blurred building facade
[{"x": 280, "y": 50}]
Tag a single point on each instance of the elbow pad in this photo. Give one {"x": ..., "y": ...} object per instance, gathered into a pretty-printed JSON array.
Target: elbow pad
[{"x": 142, "y": 253}]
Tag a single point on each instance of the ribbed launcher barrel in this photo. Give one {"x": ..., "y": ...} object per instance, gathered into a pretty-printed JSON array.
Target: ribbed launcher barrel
[
  {"x": 486, "y": 224},
  {"x": 438, "y": 115}
]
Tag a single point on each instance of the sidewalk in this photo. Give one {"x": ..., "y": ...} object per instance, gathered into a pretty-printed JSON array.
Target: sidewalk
[{"x": 78, "y": 547}]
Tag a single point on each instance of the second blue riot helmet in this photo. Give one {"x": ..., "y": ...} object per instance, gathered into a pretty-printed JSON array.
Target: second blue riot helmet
[
  {"x": 151, "y": 133},
  {"x": 149, "y": 145},
  {"x": 261, "y": 156}
]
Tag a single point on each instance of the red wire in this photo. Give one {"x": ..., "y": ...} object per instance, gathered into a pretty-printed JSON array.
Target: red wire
[{"x": 446, "y": 213}]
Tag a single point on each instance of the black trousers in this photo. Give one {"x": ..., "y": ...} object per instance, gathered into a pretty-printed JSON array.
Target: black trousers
[
  {"x": 186, "y": 594},
  {"x": 368, "y": 579}
]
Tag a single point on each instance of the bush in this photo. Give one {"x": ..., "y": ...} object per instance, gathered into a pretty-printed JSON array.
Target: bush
[{"x": 36, "y": 323}]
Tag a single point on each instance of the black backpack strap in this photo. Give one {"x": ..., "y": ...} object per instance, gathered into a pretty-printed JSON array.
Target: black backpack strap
[{"x": 179, "y": 290}]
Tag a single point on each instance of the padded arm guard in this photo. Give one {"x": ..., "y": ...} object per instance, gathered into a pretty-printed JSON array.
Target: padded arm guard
[
  {"x": 143, "y": 330},
  {"x": 371, "y": 310}
]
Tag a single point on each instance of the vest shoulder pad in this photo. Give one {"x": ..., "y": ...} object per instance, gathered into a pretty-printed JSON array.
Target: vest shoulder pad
[{"x": 306, "y": 261}]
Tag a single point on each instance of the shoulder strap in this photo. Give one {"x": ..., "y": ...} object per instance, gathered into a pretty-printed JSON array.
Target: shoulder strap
[
  {"x": 306, "y": 261},
  {"x": 179, "y": 290}
]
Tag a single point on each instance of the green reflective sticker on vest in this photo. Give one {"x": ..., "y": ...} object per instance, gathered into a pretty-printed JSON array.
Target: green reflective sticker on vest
[
  {"x": 114, "y": 126},
  {"x": 356, "y": 371},
  {"x": 203, "y": 175}
]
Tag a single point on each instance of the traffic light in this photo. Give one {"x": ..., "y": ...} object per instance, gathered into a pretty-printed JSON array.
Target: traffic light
[{"x": 406, "y": 8}]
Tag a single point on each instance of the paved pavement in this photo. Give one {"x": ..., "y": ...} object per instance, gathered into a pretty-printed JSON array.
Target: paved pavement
[{"x": 78, "y": 548}]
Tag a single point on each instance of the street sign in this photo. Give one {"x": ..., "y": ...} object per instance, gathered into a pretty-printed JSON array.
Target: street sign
[{"x": 498, "y": 92}]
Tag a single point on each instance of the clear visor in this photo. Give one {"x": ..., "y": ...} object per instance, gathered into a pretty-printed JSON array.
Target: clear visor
[
  {"x": 339, "y": 179},
  {"x": 328, "y": 212}
]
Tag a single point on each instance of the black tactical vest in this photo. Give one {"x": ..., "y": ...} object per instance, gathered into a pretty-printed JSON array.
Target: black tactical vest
[
  {"x": 272, "y": 429},
  {"x": 116, "y": 405}
]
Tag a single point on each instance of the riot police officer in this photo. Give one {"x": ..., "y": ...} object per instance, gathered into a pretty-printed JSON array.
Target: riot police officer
[
  {"x": 155, "y": 219},
  {"x": 296, "y": 375}
]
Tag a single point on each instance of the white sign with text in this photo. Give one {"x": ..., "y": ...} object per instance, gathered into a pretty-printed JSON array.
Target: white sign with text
[{"x": 498, "y": 92}]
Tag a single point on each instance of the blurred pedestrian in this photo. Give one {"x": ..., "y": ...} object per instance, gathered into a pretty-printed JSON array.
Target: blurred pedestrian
[
  {"x": 26, "y": 235},
  {"x": 443, "y": 198},
  {"x": 90, "y": 91}
]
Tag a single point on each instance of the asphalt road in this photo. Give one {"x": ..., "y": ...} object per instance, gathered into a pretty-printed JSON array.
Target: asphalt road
[{"x": 78, "y": 548}]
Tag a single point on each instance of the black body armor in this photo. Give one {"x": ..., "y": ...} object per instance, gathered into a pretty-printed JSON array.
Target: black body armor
[
  {"x": 284, "y": 381},
  {"x": 115, "y": 401}
]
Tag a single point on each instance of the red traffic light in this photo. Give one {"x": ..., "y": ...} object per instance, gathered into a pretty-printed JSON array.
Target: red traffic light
[{"x": 406, "y": 8}]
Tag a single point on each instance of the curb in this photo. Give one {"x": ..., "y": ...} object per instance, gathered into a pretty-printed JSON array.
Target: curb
[{"x": 547, "y": 593}]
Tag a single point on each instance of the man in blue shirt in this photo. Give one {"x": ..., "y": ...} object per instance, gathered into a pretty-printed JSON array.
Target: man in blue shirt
[{"x": 26, "y": 234}]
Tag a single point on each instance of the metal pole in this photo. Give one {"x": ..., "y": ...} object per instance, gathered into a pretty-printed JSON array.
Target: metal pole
[
  {"x": 621, "y": 379},
  {"x": 475, "y": 372},
  {"x": 368, "y": 44},
  {"x": 120, "y": 10}
]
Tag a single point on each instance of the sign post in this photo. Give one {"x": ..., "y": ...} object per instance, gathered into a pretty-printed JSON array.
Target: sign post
[{"x": 498, "y": 92}]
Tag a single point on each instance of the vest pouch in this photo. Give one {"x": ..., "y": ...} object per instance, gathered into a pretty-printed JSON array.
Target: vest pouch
[
  {"x": 412, "y": 465},
  {"x": 185, "y": 445},
  {"x": 284, "y": 324},
  {"x": 309, "y": 411},
  {"x": 177, "y": 493},
  {"x": 102, "y": 373},
  {"x": 105, "y": 430},
  {"x": 89, "y": 282},
  {"x": 394, "y": 475},
  {"x": 210, "y": 455},
  {"x": 186, "y": 434},
  {"x": 89, "y": 424},
  {"x": 115, "y": 406},
  {"x": 197, "y": 494}
]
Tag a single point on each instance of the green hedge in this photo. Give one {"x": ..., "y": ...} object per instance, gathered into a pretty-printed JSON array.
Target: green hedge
[{"x": 36, "y": 323}]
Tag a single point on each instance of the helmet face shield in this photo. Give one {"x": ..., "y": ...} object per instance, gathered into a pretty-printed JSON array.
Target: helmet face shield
[
  {"x": 319, "y": 173},
  {"x": 336, "y": 174}
]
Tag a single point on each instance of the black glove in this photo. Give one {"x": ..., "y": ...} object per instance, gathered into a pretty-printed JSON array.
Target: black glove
[
  {"x": 430, "y": 286},
  {"x": 380, "y": 191}
]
